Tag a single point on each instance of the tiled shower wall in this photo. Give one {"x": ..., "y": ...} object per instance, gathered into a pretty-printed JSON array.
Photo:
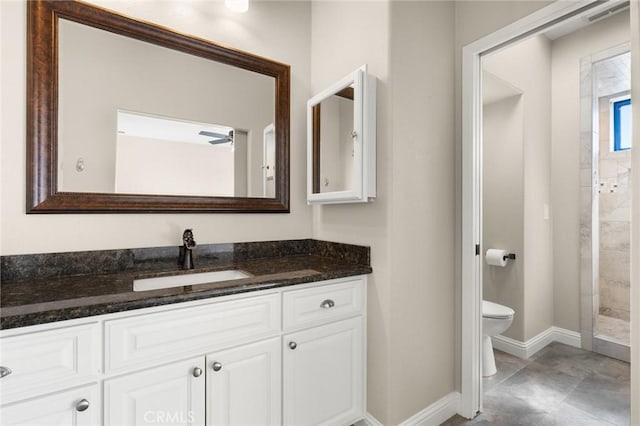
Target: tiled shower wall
[
  {"x": 615, "y": 221},
  {"x": 614, "y": 196}
]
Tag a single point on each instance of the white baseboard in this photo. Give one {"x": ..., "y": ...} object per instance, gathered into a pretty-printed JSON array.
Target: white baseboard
[
  {"x": 434, "y": 415},
  {"x": 567, "y": 337},
  {"x": 369, "y": 420},
  {"x": 527, "y": 349}
]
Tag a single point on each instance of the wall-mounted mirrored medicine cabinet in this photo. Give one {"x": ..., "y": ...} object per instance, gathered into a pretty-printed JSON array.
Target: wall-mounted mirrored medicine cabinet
[{"x": 341, "y": 141}]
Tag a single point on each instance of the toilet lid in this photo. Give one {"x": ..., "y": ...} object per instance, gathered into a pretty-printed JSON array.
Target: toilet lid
[{"x": 493, "y": 310}]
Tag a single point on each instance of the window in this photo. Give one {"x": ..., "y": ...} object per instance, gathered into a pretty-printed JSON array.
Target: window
[{"x": 621, "y": 124}]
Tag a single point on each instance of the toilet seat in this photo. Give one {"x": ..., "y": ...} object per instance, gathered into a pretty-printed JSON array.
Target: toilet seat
[{"x": 494, "y": 310}]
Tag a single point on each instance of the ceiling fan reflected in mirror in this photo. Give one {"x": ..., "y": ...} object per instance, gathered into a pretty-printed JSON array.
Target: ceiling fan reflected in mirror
[{"x": 219, "y": 138}]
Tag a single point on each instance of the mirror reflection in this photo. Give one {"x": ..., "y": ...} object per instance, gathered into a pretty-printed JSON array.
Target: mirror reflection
[
  {"x": 333, "y": 141},
  {"x": 137, "y": 118}
]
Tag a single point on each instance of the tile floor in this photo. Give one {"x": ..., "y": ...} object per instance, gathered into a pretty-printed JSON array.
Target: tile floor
[
  {"x": 614, "y": 328},
  {"x": 560, "y": 385}
]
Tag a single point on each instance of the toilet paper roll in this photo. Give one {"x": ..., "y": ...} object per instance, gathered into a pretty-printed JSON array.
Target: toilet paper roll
[{"x": 496, "y": 257}]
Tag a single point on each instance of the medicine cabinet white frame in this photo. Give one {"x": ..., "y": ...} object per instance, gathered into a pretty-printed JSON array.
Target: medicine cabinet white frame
[{"x": 363, "y": 185}]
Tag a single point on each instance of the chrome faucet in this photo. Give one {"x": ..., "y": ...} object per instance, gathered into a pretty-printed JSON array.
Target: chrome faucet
[{"x": 188, "y": 243}]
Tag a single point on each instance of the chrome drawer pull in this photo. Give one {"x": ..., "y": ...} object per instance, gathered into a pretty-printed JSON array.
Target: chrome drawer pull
[
  {"x": 217, "y": 366},
  {"x": 326, "y": 304},
  {"x": 4, "y": 371},
  {"x": 293, "y": 345},
  {"x": 197, "y": 372},
  {"x": 82, "y": 405}
]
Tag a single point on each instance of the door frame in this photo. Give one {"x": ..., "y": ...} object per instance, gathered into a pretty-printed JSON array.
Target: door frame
[
  {"x": 589, "y": 307},
  {"x": 552, "y": 15},
  {"x": 268, "y": 131}
]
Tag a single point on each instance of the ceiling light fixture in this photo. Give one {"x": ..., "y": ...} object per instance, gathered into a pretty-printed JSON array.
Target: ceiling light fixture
[{"x": 240, "y": 6}]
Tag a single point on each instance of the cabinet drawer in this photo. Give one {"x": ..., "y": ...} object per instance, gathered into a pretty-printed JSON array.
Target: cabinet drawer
[
  {"x": 152, "y": 338},
  {"x": 60, "y": 408},
  {"x": 318, "y": 305},
  {"x": 47, "y": 361}
]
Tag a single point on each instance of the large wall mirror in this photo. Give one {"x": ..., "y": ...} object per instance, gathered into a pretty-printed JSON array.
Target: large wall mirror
[{"x": 126, "y": 116}]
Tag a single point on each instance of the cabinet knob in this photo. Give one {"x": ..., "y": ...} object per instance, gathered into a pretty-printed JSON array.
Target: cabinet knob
[
  {"x": 197, "y": 372},
  {"x": 82, "y": 405},
  {"x": 217, "y": 366},
  {"x": 326, "y": 304},
  {"x": 293, "y": 345},
  {"x": 4, "y": 371}
]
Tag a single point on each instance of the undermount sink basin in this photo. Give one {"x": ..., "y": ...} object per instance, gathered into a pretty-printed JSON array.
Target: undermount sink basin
[{"x": 181, "y": 280}]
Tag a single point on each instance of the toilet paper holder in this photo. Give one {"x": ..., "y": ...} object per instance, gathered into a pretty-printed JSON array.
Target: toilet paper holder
[{"x": 511, "y": 256}]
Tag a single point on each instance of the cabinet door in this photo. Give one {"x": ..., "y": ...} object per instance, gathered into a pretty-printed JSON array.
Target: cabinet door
[
  {"x": 244, "y": 385},
  {"x": 78, "y": 407},
  {"x": 169, "y": 395},
  {"x": 324, "y": 374}
]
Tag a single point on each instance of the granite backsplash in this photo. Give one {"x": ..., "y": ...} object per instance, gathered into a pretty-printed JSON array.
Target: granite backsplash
[{"x": 30, "y": 267}]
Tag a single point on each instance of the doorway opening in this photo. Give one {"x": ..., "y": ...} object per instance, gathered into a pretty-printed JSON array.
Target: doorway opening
[
  {"x": 555, "y": 18},
  {"x": 606, "y": 232}
]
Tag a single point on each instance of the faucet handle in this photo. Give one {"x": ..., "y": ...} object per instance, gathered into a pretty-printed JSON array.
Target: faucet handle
[{"x": 187, "y": 238}]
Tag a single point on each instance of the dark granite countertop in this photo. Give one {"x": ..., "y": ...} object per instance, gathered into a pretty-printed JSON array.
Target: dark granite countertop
[{"x": 37, "y": 289}]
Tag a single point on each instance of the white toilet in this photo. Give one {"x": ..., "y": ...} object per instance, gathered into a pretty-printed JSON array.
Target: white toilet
[{"x": 495, "y": 320}]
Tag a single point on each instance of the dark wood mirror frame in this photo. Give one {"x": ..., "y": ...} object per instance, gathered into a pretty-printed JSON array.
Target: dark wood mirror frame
[{"x": 42, "y": 115}]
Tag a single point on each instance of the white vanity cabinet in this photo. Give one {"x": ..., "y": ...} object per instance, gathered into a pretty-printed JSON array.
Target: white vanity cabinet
[
  {"x": 294, "y": 355},
  {"x": 324, "y": 361}
]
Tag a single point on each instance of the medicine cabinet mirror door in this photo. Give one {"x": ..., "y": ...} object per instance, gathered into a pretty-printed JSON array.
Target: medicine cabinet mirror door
[{"x": 341, "y": 141}]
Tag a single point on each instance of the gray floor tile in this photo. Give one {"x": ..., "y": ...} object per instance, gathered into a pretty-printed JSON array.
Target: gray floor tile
[
  {"x": 543, "y": 388},
  {"x": 569, "y": 360},
  {"x": 559, "y": 386},
  {"x": 603, "y": 397},
  {"x": 568, "y": 415},
  {"x": 507, "y": 365}
]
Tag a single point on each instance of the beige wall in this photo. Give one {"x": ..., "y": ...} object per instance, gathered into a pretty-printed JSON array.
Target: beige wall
[
  {"x": 278, "y": 30},
  {"x": 565, "y": 156},
  {"x": 341, "y": 42},
  {"x": 410, "y": 225},
  {"x": 412, "y": 247},
  {"x": 503, "y": 204},
  {"x": 527, "y": 66},
  {"x": 3, "y": 100},
  {"x": 201, "y": 168},
  {"x": 423, "y": 199}
]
